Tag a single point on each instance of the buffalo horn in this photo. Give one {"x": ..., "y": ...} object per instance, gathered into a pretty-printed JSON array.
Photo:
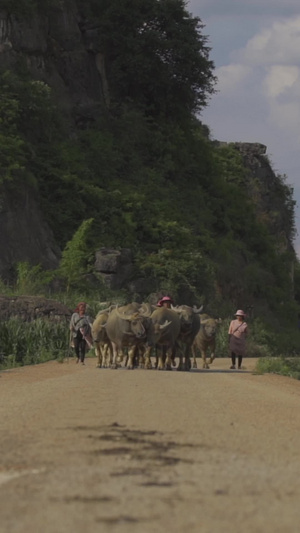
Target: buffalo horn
[
  {"x": 195, "y": 310},
  {"x": 145, "y": 310},
  {"x": 165, "y": 324},
  {"x": 124, "y": 316}
]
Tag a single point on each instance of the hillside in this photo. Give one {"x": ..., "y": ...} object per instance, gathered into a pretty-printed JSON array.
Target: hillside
[{"x": 100, "y": 121}]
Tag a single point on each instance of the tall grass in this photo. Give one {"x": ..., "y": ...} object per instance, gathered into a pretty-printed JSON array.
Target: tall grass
[{"x": 26, "y": 343}]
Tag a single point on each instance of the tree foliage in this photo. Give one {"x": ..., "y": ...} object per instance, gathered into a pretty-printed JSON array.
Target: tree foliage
[
  {"x": 156, "y": 55},
  {"x": 145, "y": 174},
  {"x": 75, "y": 257}
]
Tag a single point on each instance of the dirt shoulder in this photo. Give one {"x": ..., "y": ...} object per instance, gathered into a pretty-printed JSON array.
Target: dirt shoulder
[{"x": 84, "y": 449}]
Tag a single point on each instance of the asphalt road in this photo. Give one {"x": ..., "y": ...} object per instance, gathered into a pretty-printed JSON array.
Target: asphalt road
[{"x": 86, "y": 450}]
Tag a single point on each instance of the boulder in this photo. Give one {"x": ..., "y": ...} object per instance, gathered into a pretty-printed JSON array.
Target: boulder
[{"x": 114, "y": 266}]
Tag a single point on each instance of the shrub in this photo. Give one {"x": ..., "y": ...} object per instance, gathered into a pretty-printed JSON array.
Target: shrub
[{"x": 279, "y": 365}]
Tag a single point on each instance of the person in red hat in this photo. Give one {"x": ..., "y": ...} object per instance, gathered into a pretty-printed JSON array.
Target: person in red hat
[
  {"x": 238, "y": 331},
  {"x": 80, "y": 328},
  {"x": 165, "y": 301}
]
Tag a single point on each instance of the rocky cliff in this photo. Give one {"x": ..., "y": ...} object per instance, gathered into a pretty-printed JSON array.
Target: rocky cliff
[
  {"x": 269, "y": 192},
  {"x": 58, "y": 48},
  {"x": 24, "y": 235}
]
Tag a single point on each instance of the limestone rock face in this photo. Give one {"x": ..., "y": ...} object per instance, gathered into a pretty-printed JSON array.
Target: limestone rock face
[
  {"x": 114, "y": 266},
  {"x": 24, "y": 235},
  {"x": 60, "y": 49},
  {"x": 263, "y": 186}
]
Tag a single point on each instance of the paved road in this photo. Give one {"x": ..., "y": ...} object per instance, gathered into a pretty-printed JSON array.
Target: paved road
[{"x": 86, "y": 450}]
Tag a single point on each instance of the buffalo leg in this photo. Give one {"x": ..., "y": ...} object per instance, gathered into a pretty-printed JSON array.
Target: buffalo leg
[
  {"x": 194, "y": 354},
  {"x": 161, "y": 358},
  {"x": 203, "y": 354},
  {"x": 187, "y": 358},
  {"x": 168, "y": 358},
  {"x": 180, "y": 355},
  {"x": 114, "y": 355},
  {"x": 141, "y": 356},
  {"x": 131, "y": 355},
  {"x": 212, "y": 354},
  {"x": 147, "y": 358},
  {"x": 98, "y": 354},
  {"x": 106, "y": 355}
]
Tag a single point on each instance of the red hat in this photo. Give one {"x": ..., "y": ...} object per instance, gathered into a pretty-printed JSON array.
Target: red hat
[
  {"x": 164, "y": 299},
  {"x": 77, "y": 307}
]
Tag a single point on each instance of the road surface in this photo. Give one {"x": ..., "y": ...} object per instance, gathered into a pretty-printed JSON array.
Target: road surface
[{"x": 86, "y": 450}]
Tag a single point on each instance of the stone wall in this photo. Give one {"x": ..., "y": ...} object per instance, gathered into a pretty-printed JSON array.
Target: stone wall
[{"x": 28, "y": 308}]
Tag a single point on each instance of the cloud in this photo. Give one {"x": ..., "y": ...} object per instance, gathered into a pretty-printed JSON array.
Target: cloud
[
  {"x": 280, "y": 80},
  {"x": 236, "y": 7},
  {"x": 276, "y": 44},
  {"x": 266, "y": 70},
  {"x": 232, "y": 76}
]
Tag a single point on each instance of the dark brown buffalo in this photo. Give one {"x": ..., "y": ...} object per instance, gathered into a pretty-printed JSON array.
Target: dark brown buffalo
[
  {"x": 166, "y": 328},
  {"x": 189, "y": 327}
]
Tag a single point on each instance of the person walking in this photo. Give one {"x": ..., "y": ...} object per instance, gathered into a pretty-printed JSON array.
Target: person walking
[
  {"x": 238, "y": 331},
  {"x": 80, "y": 328}
]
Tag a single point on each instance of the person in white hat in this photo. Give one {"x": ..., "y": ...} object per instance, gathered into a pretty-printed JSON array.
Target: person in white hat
[{"x": 238, "y": 331}]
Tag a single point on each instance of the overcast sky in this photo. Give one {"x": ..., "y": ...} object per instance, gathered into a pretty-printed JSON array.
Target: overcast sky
[{"x": 256, "y": 50}]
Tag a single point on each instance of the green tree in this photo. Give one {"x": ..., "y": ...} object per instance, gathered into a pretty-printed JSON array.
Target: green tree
[
  {"x": 75, "y": 257},
  {"x": 156, "y": 55}
]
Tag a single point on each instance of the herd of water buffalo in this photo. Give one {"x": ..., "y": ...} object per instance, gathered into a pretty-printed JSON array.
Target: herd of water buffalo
[{"x": 135, "y": 333}]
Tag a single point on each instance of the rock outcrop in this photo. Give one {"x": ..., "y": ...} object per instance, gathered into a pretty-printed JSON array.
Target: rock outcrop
[
  {"x": 24, "y": 235},
  {"x": 267, "y": 190},
  {"x": 58, "y": 47},
  {"x": 114, "y": 266}
]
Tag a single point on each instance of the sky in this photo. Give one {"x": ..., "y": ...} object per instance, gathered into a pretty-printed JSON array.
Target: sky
[{"x": 255, "y": 46}]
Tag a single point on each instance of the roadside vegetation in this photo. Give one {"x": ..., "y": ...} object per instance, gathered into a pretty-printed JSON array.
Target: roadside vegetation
[
  {"x": 24, "y": 343},
  {"x": 143, "y": 173},
  {"x": 284, "y": 366}
]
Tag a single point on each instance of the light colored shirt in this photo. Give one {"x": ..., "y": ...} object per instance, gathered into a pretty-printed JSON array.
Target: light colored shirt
[
  {"x": 79, "y": 321},
  {"x": 238, "y": 331}
]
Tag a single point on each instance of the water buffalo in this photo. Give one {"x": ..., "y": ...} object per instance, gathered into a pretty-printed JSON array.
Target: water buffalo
[
  {"x": 101, "y": 341},
  {"x": 206, "y": 338},
  {"x": 166, "y": 328},
  {"x": 126, "y": 327},
  {"x": 189, "y": 327}
]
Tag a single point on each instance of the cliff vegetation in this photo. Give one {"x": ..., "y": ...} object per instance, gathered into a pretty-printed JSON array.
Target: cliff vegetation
[{"x": 100, "y": 120}]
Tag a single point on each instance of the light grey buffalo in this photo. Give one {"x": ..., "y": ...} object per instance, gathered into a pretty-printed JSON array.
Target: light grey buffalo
[
  {"x": 166, "y": 324},
  {"x": 103, "y": 348},
  {"x": 189, "y": 327},
  {"x": 206, "y": 339},
  {"x": 127, "y": 327}
]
